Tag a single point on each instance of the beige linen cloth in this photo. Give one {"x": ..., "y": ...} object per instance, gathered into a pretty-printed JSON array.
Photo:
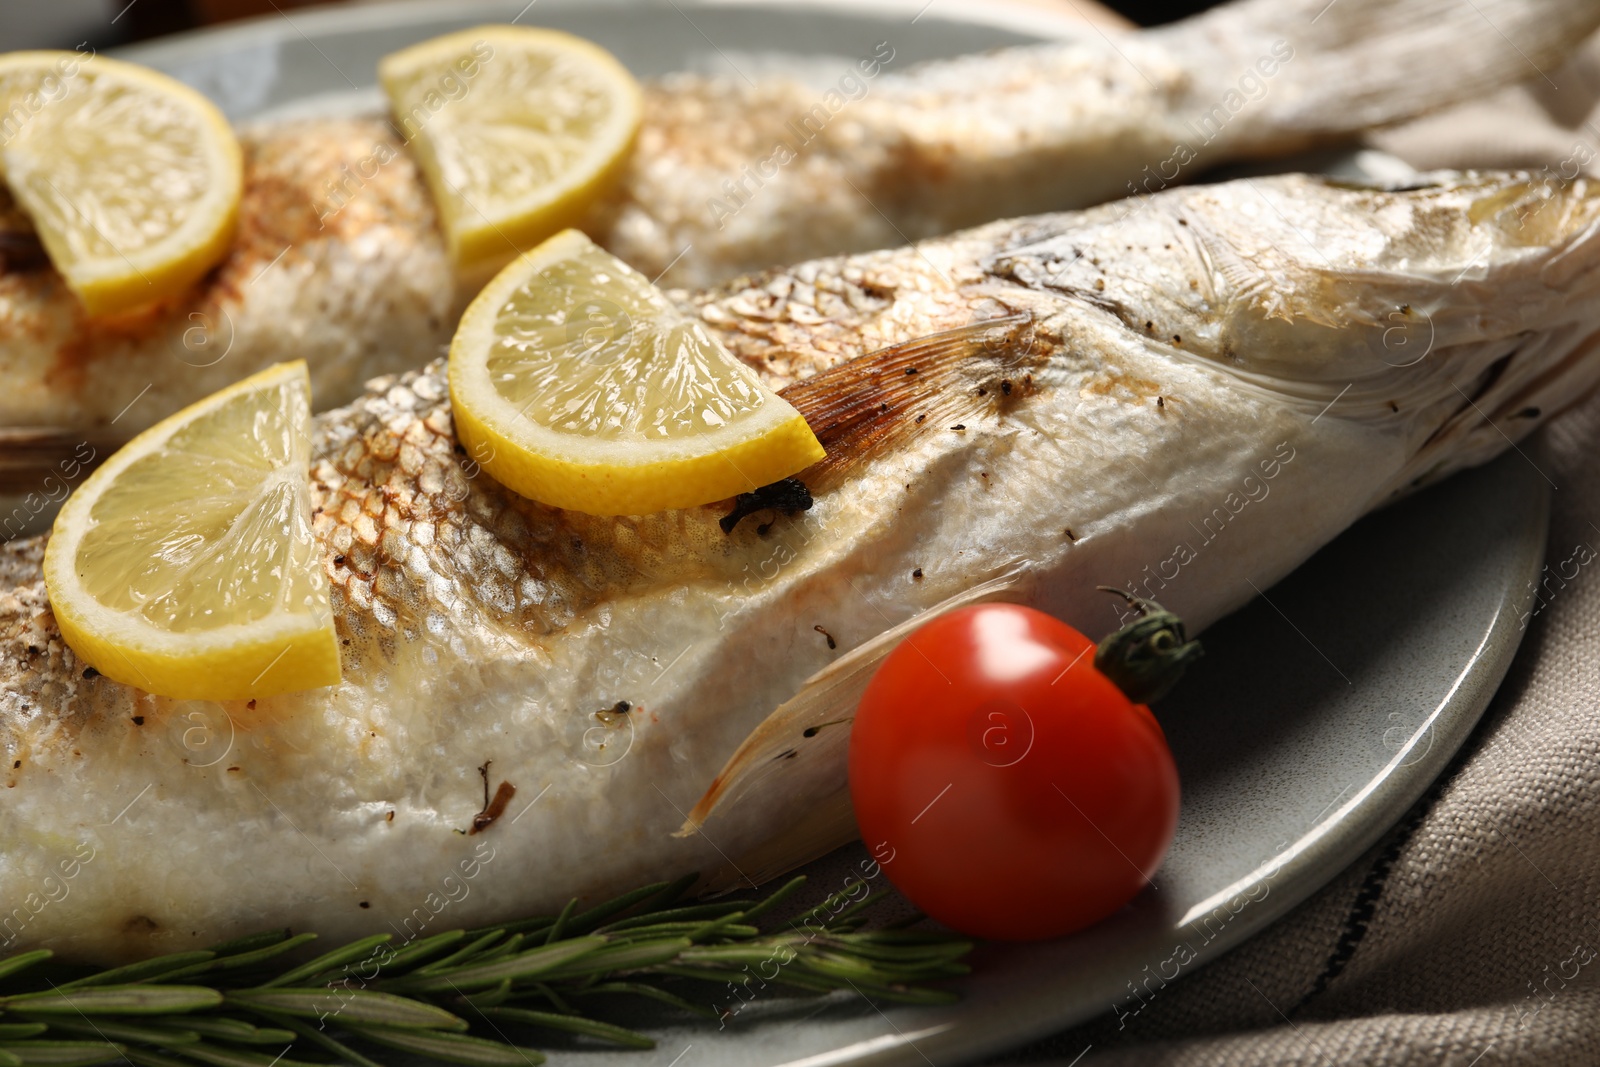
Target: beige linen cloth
[{"x": 1471, "y": 936}]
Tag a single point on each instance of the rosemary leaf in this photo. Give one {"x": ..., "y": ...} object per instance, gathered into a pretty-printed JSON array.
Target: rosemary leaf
[
  {"x": 529, "y": 927},
  {"x": 894, "y": 935},
  {"x": 509, "y": 947},
  {"x": 723, "y": 927},
  {"x": 700, "y": 974},
  {"x": 418, "y": 951},
  {"x": 160, "y": 1013},
  {"x": 736, "y": 955},
  {"x": 793, "y": 977},
  {"x": 251, "y": 942},
  {"x": 318, "y": 1037},
  {"x": 491, "y": 998},
  {"x": 783, "y": 893},
  {"x": 657, "y": 897},
  {"x": 831, "y": 912},
  {"x": 554, "y": 998},
  {"x": 574, "y": 1024},
  {"x": 349, "y": 1006},
  {"x": 23, "y": 960},
  {"x": 225, "y": 1028},
  {"x": 115, "y": 1000},
  {"x": 846, "y": 968},
  {"x": 455, "y": 1048},
  {"x": 849, "y": 914},
  {"x": 693, "y": 914},
  {"x": 906, "y": 953},
  {"x": 145, "y": 1058},
  {"x": 247, "y": 958},
  {"x": 640, "y": 989},
  {"x": 63, "y": 1053},
  {"x": 919, "y": 965},
  {"x": 355, "y": 950},
  {"x": 464, "y": 954},
  {"x": 531, "y": 964},
  {"x": 143, "y": 971},
  {"x": 114, "y": 1029},
  {"x": 560, "y": 924},
  {"x": 221, "y": 1056},
  {"x": 621, "y": 958}
]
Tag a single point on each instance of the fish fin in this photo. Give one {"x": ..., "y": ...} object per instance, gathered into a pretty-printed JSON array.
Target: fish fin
[
  {"x": 796, "y": 759},
  {"x": 879, "y": 400},
  {"x": 1272, "y": 76}
]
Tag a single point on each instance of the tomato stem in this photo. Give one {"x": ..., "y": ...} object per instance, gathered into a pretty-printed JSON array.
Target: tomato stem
[{"x": 1146, "y": 658}]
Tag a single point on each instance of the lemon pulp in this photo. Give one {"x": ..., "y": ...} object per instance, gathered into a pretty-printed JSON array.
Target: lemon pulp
[
  {"x": 574, "y": 381},
  {"x": 131, "y": 178},
  {"x": 185, "y": 565},
  {"x": 517, "y": 131}
]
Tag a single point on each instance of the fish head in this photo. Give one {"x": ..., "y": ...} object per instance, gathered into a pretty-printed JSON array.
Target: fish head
[{"x": 1457, "y": 309}]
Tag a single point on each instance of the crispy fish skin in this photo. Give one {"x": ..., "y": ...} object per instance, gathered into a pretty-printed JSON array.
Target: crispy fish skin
[{"x": 1158, "y": 358}]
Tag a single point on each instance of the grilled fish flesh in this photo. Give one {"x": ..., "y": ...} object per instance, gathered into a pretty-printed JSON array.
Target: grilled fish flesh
[
  {"x": 1184, "y": 395},
  {"x": 339, "y": 260}
]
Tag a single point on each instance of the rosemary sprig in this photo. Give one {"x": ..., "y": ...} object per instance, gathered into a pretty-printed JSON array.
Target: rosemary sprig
[{"x": 457, "y": 996}]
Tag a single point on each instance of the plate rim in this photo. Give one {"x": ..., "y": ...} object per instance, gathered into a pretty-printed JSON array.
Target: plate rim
[{"x": 1015, "y": 16}]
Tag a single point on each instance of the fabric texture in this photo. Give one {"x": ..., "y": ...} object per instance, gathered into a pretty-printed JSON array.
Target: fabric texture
[{"x": 1471, "y": 934}]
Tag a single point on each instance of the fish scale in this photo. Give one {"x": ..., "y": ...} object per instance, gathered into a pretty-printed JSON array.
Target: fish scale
[{"x": 479, "y": 628}]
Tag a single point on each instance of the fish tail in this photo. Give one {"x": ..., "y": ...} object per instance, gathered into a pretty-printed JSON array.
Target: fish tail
[{"x": 1274, "y": 75}]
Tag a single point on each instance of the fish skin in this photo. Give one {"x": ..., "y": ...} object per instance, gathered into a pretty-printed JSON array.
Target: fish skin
[
  {"x": 480, "y": 629},
  {"x": 364, "y": 286}
]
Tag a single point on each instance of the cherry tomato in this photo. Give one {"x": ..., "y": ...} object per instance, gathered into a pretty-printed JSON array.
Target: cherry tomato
[{"x": 1007, "y": 787}]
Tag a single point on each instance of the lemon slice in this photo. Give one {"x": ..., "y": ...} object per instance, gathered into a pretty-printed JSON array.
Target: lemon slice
[
  {"x": 185, "y": 565},
  {"x": 131, "y": 178},
  {"x": 517, "y": 131},
  {"x": 575, "y": 382}
]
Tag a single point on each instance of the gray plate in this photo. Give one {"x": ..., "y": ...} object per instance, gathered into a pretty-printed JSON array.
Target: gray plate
[{"x": 1319, "y": 716}]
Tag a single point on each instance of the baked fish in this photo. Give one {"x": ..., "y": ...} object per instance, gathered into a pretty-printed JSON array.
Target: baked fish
[
  {"x": 1184, "y": 396},
  {"x": 339, "y": 260}
]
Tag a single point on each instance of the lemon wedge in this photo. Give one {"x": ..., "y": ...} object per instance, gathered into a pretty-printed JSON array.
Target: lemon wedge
[
  {"x": 517, "y": 130},
  {"x": 575, "y": 382},
  {"x": 131, "y": 178},
  {"x": 185, "y": 565}
]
